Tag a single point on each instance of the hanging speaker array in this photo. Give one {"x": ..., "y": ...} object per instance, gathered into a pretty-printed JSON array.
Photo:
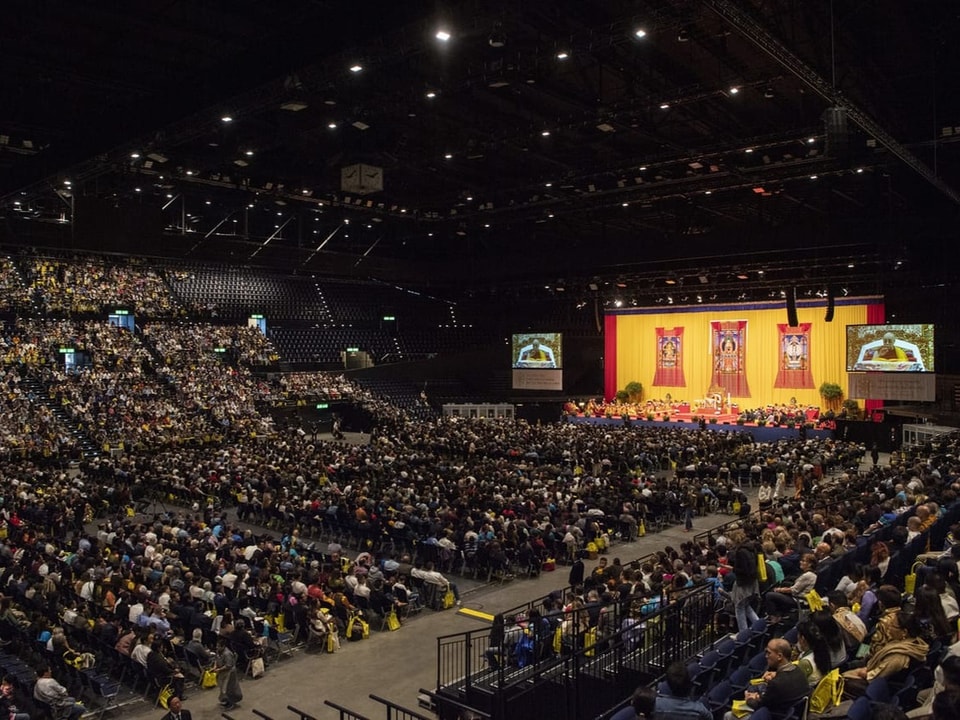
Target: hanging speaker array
[{"x": 792, "y": 320}]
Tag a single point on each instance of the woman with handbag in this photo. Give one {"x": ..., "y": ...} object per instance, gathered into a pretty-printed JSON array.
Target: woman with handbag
[{"x": 228, "y": 678}]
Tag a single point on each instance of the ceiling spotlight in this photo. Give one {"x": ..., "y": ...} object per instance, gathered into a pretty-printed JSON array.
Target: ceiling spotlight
[
  {"x": 226, "y": 119},
  {"x": 549, "y": 184},
  {"x": 708, "y": 192},
  {"x": 431, "y": 94},
  {"x": 664, "y": 106},
  {"x": 356, "y": 68},
  {"x": 546, "y": 133},
  {"x": 748, "y": 150},
  {"x": 811, "y": 141},
  {"x": 734, "y": 90},
  {"x": 189, "y": 172},
  {"x": 136, "y": 189},
  {"x": 618, "y": 303},
  {"x": 859, "y": 170},
  {"x": 248, "y": 153},
  {"x": 768, "y": 92},
  {"x": 68, "y": 183},
  {"x": 625, "y": 204},
  {"x": 448, "y": 156},
  {"x": 134, "y": 155},
  {"x": 444, "y": 36},
  {"x": 332, "y": 125},
  {"x": 562, "y": 55},
  {"x": 814, "y": 177},
  {"x": 640, "y": 33}
]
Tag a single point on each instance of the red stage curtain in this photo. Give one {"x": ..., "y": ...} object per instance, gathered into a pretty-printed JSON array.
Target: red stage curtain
[
  {"x": 669, "y": 358},
  {"x": 793, "y": 370},
  {"x": 609, "y": 356}
]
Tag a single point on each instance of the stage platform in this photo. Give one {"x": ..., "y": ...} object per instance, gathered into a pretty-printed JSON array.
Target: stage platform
[{"x": 725, "y": 423}]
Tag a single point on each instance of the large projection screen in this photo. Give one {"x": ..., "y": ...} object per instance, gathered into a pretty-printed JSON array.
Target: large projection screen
[{"x": 537, "y": 360}]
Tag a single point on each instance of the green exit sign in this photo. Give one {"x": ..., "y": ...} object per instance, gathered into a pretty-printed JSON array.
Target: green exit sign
[
  {"x": 323, "y": 406},
  {"x": 121, "y": 312},
  {"x": 389, "y": 317},
  {"x": 257, "y": 317},
  {"x": 219, "y": 350},
  {"x": 353, "y": 349},
  {"x": 64, "y": 351}
]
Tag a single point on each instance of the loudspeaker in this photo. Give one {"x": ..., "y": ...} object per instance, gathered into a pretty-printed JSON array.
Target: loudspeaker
[
  {"x": 792, "y": 307},
  {"x": 829, "y": 316}
]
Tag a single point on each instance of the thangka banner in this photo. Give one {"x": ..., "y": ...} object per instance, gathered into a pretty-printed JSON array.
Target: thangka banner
[
  {"x": 794, "y": 369},
  {"x": 669, "y": 358},
  {"x": 729, "y": 358}
]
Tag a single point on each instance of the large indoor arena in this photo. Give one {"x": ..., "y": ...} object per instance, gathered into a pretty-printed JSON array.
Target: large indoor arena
[{"x": 582, "y": 360}]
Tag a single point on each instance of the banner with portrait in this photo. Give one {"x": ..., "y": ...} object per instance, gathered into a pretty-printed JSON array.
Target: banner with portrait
[
  {"x": 793, "y": 370},
  {"x": 669, "y": 358},
  {"x": 729, "y": 341}
]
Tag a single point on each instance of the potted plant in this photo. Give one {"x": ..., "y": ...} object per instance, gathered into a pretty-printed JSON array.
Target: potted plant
[
  {"x": 713, "y": 421},
  {"x": 761, "y": 422},
  {"x": 649, "y": 416},
  {"x": 831, "y": 393},
  {"x": 622, "y": 396},
  {"x": 634, "y": 391},
  {"x": 741, "y": 420}
]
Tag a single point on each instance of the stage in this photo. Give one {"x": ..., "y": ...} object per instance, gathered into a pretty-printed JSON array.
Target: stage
[{"x": 724, "y": 423}]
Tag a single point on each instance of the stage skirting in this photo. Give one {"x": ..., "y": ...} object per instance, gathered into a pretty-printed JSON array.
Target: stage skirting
[{"x": 760, "y": 434}]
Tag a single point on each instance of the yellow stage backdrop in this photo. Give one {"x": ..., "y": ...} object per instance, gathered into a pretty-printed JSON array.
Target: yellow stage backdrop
[{"x": 631, "y": 345}]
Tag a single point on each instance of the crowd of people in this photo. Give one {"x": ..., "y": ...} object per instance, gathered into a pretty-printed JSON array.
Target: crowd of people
[
  {"x": 858, "y": 592},
  {"x": 658, "y": 409},
  {"x": 88, "y": 285},
  {"x": 509, "y": 492},
  {"x": 257, "y": 541}
]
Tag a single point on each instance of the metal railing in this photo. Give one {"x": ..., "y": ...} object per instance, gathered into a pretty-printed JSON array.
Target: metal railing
[
  {"x": 398, "y": 712},
  {"x": 345, "y": 714},
  {"x": 592, "y": 670}
]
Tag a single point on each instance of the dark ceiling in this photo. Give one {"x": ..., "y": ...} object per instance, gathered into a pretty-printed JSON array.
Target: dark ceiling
[{"x": 543, "y": 139}]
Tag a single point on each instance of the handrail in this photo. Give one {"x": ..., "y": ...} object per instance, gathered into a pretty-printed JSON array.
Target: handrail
[
  {"x": 345, "y": 714},
  {"x": 471, "y": 712},
  {"x": 395, "y": 711}
]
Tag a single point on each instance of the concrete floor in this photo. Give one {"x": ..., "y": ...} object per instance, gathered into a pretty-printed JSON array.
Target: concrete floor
[{"x": 393, "y": 665}]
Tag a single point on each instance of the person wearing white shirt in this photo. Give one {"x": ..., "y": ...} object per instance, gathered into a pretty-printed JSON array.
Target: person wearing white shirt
[
  {"x": 134, "y": 612},
  {"x": 429, "y": 575},
  {"x": 784, "y": 599}
]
